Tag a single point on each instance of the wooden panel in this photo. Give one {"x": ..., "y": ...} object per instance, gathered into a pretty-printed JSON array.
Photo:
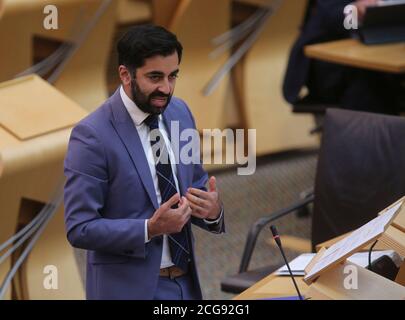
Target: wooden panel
[
  {"x": 293, "y": 243},
  {"x": 261, "y": 3},
  {"x": 351, "y": 52},
  {"x": 399, "y": 221},
  {"x": 31, "y": 169},
  {"x": 277, "y": 127},
  {"x": 18, "y": 6},
  {"x": 371, "y": 286},
  {"x": 168, "y": 13},
  {"x": 1, "y": 7},
  {"x": 52, "y": 247},
  {"x": 30, "y": 107},
  {"x": 133, "y": 11},
  {"x": 17, "y": 55},
  {"x": 202, "y": 21},
  {"x": 83, "y": 78},
  {"x": 273, "y": 286}
]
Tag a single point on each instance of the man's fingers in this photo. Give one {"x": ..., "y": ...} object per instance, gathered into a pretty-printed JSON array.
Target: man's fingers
[
  {"x": 212, "y": 184},
  {"x": 171, "y": 202},
  {"x": 198, "y": 211},
  {"x": 188, "y": 213},
  {"x": 197, "y": 215},
  {"x": 197, "y": 201},
  {"x": 197, "y": 208},
  {"x": 199, "y": 193},
  {"x": 185, "y": 205}
]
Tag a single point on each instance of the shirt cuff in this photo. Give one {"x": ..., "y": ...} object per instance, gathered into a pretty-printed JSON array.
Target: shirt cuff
[
  {"x": 217, "y": 220},
  {"x": 146, "y": 231}
]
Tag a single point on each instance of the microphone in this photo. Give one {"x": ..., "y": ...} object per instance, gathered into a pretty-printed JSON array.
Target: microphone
[{"x": 276, "y": 238}]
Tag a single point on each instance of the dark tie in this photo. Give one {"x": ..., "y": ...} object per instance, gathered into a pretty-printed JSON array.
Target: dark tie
[{"x": 178, "y": 243}]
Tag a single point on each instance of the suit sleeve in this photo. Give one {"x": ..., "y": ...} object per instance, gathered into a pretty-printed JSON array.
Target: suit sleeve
[
  {"x": 85, "y": 191},
  {"x": 331, "y": 14},
  {"x": 200, "y": 178}
]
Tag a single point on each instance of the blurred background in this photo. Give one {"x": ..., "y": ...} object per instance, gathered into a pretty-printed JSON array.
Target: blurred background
[{"x": 274, "y": 66}]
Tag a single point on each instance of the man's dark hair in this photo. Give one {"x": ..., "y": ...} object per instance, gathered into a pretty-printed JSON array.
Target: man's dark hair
[{"x": 145, "y": 41}]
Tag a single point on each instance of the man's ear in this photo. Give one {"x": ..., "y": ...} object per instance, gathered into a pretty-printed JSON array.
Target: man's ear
[{"x": 125, "y": 75}]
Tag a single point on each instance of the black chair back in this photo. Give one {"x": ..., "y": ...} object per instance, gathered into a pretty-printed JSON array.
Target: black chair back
[{"x": 361, "y": 170}]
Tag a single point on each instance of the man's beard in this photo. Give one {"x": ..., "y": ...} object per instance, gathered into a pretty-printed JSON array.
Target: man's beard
[{"x": 143, "y": 101}]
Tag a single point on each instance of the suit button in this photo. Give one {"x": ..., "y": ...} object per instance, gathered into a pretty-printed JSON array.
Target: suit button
[{"x": 129, "y": 251}]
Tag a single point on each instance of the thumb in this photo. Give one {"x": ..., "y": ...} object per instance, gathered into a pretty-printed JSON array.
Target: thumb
[
  {"x": 183, "y": 202},
  {"x": 212, "y": 184}
]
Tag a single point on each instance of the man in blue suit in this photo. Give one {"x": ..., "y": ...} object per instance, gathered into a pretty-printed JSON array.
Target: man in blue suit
[{"x": 129, "y": 198}]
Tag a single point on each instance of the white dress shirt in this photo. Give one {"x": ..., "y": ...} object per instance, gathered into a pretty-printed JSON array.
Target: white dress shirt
[{"x": 138, "y": 117}]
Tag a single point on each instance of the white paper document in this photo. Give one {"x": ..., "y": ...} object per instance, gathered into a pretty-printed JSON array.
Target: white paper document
[
  {"x": 354, "y": 241},
  {"x": 299, "y": 264}
]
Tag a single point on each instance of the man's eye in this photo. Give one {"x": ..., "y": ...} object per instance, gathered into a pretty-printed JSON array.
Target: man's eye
[
  {"x": 154, "y": 78},
  {"x": 173, "y": 76}
]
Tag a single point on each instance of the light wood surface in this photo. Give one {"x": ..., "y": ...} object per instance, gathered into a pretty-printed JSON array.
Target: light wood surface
[
  {"x": 331, "y": 283},
  {"x": 395, "y": 239},
  {"x": 132, "y": 11},
  {"x": 198, "y": 23},
  {"x": 278, "y": 129},
  {"x": 30, "y": 170},
  {"x": 351, "y": 52},
  {"x": 168, "y": 13},
  {"x": 83, "y": 78},
  {"x": 293, "y": 243},
  {"x": 399, "y": 221},
  {"x": 372, "y": 286},
  {"x": 264, "y": 109},
  {"x": 273, "y": 286},
  {"x": 1, "y": 7},
  {"x": 25, "y": 121},
  {"x": 369, "y": 285}
]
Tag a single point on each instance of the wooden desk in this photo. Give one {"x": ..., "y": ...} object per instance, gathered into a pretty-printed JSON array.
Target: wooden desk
[
  {"x": 273, "y": 286},
  {"x": 386, "y": 57}
]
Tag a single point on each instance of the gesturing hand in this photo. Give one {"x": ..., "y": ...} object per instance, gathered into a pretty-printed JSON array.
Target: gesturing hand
[
  {"x": 166, "y": 220},
  {"x": 205, "y": 204}
]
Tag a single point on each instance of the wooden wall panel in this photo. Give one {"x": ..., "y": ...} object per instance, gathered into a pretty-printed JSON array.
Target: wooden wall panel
[{"x": 277, "y": 127}]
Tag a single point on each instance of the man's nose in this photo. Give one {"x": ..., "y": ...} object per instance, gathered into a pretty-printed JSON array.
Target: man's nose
[{"x": 165, "y": 87}]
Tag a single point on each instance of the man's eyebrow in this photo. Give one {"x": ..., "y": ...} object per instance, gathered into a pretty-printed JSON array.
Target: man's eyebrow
[
  {"x": 160, "y": 73},
  {"x": 155, "y": 73}
]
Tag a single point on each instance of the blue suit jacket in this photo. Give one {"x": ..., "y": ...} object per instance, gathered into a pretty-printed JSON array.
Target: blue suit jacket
[{"x": 109, "y": 193}]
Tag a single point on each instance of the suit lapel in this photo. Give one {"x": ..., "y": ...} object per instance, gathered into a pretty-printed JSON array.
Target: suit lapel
[{"x": 126, "y": 129}]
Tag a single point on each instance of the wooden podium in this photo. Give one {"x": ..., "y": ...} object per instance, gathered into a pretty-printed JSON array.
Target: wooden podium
[
  {"x": 330, "y": 284},
  {"x": 331, "y": 279},
  {"x": 35, "y": 124}
]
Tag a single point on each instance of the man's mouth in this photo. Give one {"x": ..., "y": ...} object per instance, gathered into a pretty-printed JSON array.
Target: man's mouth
[{"x": 159, "y": 101}]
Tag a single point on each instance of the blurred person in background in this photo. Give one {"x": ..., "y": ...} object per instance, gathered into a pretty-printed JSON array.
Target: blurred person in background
[{"x": 329, "y": 83}]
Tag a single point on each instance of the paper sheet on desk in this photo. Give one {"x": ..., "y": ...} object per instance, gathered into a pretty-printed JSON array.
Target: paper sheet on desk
[
  {"x": 354, "y": 241},
  {"x": 299, "y": 264}
]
